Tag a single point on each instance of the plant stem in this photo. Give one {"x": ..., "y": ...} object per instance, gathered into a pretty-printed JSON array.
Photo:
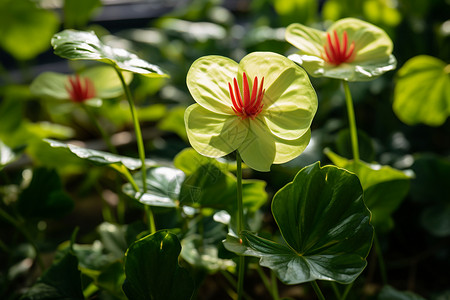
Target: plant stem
[
  {"x": 317, "y": 290},
  {"x": 25, "y": 233},
  {"x": 351, "y": 120},
  {"x": 275, "y": 295},
  {"x": 240, "y": 224},
  {"x": 102, "y": 132},
  {"x": 140, "y": 144},
  {"x": 381, "y": 264},
  {"x": 347, "y": 290},
  {"x": 336, "y": 291}
]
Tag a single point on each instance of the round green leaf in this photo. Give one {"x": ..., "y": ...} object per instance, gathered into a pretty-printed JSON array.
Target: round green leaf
[
  {"x": 422, "y": 93},
  {"x": 152, "y": 270},
  {"x": 76, "y": 45},
  {"x": 325, "y": 226}
]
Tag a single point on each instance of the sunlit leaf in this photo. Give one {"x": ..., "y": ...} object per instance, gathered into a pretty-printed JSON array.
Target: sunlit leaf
[
  {"x": 422, "y": 92},
  {"x": 101, "y": 158},
  {"x": 25, "y": 29},
  {"x": 384, "y": 188},
  {"x": 75, "y": 45},
  {"x": 152, "y": 270},
  {"x": 7, "y": 155},
  {"x": 163, "y": 187},
  {"x": 324, "y": 224}
]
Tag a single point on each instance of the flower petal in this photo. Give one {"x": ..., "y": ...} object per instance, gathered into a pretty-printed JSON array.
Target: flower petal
[
  {"x": 208, "y": 80},
  {"x": 371, "y": 42},
  {"x": 261, "y": 148},
  {"x": 288, "y": 150},
  {"x": 291, "y": 104},
  {"x": 309, "y": 40},
  {"x": 264, "y": 64},
  {"x": 212, "y": 134},
  {"x": 258, "y": 150}
]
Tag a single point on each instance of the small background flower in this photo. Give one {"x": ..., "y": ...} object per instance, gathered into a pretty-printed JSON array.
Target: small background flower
[{"x": 351, "y": 49}]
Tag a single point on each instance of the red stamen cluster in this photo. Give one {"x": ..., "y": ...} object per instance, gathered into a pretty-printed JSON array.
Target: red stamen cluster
[
  {"x": 244, "y": 104},
  {"x": 337, "y": 53},
  {"x": 80, "y": 89}
]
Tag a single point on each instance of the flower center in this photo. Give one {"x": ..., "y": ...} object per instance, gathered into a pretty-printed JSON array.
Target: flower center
[
  {"x": 80, "y": 89},
  {"x": 336, "y": 52},
  {"x": 245, "y": 104}
]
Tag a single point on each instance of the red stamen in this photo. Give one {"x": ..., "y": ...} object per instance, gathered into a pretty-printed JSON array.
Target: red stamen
[
  {"x": 337, "y": 53},
  {"x": 79, "y": 89},
  {"x": 247, "y": 106}
]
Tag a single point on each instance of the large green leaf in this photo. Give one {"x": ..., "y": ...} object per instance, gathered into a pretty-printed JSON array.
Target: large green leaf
[
  {"x": 152, "y": 270},
  {"x": 101, "y": 158},
  {"x": 422, "y": 93},
  {"x": 163, "y": 187},
  {"x": 325, "y": 226},
  {"x": 210, "y": 187},
  {"x": 44, "y": 197},
  {"x": 61, "y": 281},
  {"x": 384, "y": 188},
  {"x": 25, "y": 29},
  {"x": 75, "y": 45}
]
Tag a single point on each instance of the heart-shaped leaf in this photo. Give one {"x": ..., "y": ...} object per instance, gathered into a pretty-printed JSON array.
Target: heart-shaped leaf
[
  {"x": 163, "y": 187},
  {"x": 325, "y": 226},
  {"x": 76, "y": 45},
  {"x": 422, "y": 93},
  {"x": 384, "y": 188},
  {"x": 152, "y": 270}
]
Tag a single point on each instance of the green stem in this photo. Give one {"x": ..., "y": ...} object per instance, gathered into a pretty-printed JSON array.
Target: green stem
[
  {"x": 351, "y": 120},
  {"x": 347, "y": 290},
  {"x": 140, "y": 144},
  {"x": 240, "y": 224},
  {"x": 317, "y": 290},
  {"x": 275, "y": 295},
  {"x": 381, "y": 264},
  {"x": 336, "y": 291},
  {"x": 25, "y": 233},
  {"x": 100, "y": 129}
]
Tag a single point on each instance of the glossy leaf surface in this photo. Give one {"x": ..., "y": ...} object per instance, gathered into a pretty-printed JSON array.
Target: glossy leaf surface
[
  {"x": 75, "y": 45},
  {"x": 324, "y": 224},
  {"x": 163, "y": 187},
  {"x": 152, "y": 270},
  {"x": 384, "y": 188},
  {"x": 422, "y": 93}
]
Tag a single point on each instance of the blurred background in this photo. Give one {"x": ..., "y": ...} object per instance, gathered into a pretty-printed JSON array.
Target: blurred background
[{"x": 174, "y": 33}]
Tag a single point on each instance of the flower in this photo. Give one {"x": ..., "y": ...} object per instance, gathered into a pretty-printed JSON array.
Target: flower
[
  {"x": 80, "y": 89},
  {"x": 351, "y": 49},
  {"x": 263, "y": 107}
]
